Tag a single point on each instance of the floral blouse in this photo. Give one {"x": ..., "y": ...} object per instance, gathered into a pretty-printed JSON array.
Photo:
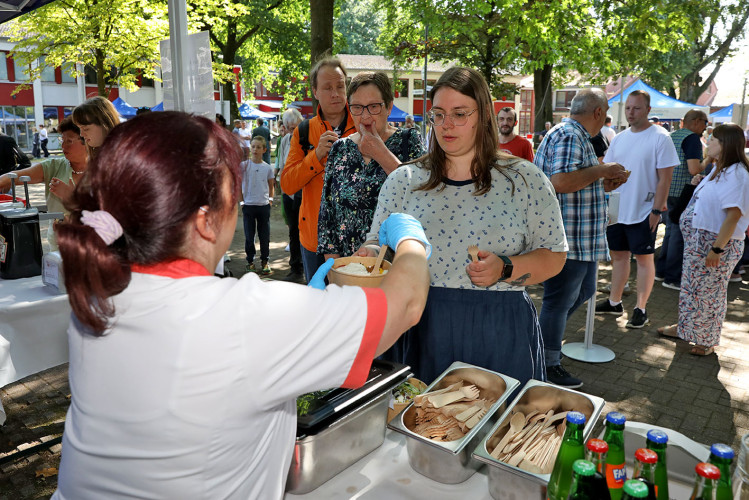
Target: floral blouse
[{"x": 351, "y": 188}]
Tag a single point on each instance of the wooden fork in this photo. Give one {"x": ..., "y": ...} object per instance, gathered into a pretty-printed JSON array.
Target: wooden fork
[{"x": 473, "y": 251}]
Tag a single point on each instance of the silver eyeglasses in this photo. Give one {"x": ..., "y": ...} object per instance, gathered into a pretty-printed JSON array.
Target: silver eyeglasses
[
  {"x": 373, "y": 109},
  {"x": 457, "y": 118}
]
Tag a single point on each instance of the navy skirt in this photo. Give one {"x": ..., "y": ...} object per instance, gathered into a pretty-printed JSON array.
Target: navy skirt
[{"x": 494, "y": 330}]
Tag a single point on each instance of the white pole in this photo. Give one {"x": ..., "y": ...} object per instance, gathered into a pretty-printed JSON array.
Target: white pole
[{"x": 178, "y": 40}]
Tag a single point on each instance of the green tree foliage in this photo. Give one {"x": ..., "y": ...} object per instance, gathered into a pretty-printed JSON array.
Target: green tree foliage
[
  {"x": 359, "y": 23},
  {"x": 118, "y": 38},
  {"x": 268, "y": 38}
]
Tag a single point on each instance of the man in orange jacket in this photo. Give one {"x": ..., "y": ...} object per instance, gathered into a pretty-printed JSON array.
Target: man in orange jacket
[{"x": 305, "y": 169}]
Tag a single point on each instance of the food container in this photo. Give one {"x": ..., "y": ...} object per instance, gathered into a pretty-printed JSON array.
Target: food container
[
  {"x": 507, "y": 482},
  {"x": 338, "y": 278},
  {"x": 341, "y": 427},
  {"x": 394, "y": 408},
  {"x": 451, "y": 462}
]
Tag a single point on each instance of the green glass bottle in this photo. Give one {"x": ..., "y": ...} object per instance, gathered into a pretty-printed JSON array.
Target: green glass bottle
[
  {"x": 583, "y": 487},
  {"x": 657, "y": 440},
  {"x": 705, "y": 482},
  {"x": 634, "y": 489},
  {"x": 645, "y": 461},
  {"x": 721, "y": 456},
  {"x": 616, "y": 472},
  {"x": 570, "y": 450}
]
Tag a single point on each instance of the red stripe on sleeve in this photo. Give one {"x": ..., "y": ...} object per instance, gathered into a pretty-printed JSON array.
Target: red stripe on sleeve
[{"x": 377, "y": 308}]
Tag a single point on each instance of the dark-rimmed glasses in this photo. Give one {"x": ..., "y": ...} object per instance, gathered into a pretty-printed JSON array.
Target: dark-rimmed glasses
[{"x": 373, "y": 109}]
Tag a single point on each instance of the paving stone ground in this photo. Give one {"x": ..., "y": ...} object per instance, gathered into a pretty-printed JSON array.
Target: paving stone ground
[{"x": 652, "y": 379}]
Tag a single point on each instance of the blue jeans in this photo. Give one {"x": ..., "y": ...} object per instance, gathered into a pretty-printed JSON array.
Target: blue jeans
[
  {"x": 256, "y": 216},
  {"x": 563, "y": 294},
  {"x": 668, "y": 264},
  {"x": 311, "y": 262}
]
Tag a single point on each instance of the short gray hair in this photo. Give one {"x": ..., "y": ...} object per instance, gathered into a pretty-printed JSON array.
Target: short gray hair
[
  {"x": 587, "y": 100},
  {"x": 292, "y": 115}
]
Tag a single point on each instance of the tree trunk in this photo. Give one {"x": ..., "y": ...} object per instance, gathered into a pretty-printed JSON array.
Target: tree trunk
[
  {"x": 321, "y": 33},
  {"x": 101, "y": 83},
  {"x": 544, "y": 96}
]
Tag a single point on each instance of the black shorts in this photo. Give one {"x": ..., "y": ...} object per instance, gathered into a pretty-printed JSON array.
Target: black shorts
[{"x": 635, "y": 238}]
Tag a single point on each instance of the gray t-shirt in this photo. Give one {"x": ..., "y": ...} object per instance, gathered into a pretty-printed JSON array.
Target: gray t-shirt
[
  {"x": 255, "y": 177},
  {"x": 497, "y": 221}
]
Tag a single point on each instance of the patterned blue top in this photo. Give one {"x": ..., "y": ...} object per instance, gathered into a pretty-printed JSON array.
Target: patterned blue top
[
  {"x": 350, "y": 189},
  {"x": 497, "y": 221},
  {"x": 567, "y": 148}
]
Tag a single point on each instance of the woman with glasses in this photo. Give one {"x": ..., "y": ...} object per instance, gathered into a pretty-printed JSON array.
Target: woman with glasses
[
  {"x": 359, "y": 164},
  {"x": 465, "y": 192}
]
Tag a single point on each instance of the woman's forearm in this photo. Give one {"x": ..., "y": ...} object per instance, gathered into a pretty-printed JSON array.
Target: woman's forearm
[{"x": 536, "y": 266}]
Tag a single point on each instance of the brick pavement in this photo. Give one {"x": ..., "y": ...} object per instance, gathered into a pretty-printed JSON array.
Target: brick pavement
[{"x": 652, "y": 380}]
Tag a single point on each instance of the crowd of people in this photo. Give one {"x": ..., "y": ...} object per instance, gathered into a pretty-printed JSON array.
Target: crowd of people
[{"x": 187, "y": 382}]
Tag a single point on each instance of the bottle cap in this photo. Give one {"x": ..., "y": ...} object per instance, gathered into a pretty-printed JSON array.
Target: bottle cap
[
  {"x": 635, "y": 488},
  {"x": 657, "y": 436},
  {"x": 708, "y": 471},
  {"x": 721, "y": 450},
  {"x": 615, "y": 418},
  {"x": 598, "y": 445},
  {"x": 646, "y": 456},
  {"x": 584, "y": 468},
  {"x": 575, "y": 417}
]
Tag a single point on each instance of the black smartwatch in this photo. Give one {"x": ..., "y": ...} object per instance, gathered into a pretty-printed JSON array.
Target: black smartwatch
[
  {"x": 717, "y": 250},
  {"x": 506, "y": 269},
  {"x": 656, "y": 212}
]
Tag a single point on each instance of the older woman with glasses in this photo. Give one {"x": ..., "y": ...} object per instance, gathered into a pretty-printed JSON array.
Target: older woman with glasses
[
  {"x": 359, "y": 164},
  {"x": 495, "y": 227}
]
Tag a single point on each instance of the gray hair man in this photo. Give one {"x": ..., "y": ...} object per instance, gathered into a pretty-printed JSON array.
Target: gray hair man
[
  {"x": 292, "y": 202},
  {"x": 567, "y": 157}
]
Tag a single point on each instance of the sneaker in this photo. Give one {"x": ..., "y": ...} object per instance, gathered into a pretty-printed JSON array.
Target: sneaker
[
  {"x": 672, "y": 286},
  {"x": 295, "y": 277},
  {"x": 639, "y": 319},
  {"x": 559, "y": 376},
  {"x": 605, "y": 307},
  {"x": 266, "y": 269},
  {"x": 735, "y": 278},
  {"x": 251, "y": 268},
  {"x": 658, "y": 278}
]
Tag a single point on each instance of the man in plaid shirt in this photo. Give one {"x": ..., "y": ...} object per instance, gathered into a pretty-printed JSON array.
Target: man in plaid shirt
[{"x": 566, "y": 156}]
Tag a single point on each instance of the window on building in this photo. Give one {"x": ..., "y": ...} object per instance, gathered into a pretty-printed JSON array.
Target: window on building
[
  {"x": 564, "y": 99},
  {"x": 67, "y": 73},
  {"x": 90, "y": 75},
  {"x": 146, "y": 81},
  {"x": 48, "y": 72},
  {"x": 3, "y": 66},
  {"x": 67, "y": 111},
  {"x": 403, "y": 90},
  {"x": 51, "y": 117},
  {"x": 419, "y": 87},
  {"x": 17, "y": 122},
  {"x": 22, "y": 73}
]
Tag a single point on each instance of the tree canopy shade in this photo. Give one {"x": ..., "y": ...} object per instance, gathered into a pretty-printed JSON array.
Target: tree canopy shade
[
  {"x": 359, "y": 24},
  {"x": 118, "y": 38}
]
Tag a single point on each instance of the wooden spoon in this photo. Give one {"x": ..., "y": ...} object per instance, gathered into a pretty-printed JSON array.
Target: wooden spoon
[
  {"x": 517, "y": 422},
  {"x": 378, "y": 263}
]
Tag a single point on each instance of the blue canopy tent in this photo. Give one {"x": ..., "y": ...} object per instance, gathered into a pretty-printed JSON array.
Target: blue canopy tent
[
  {"x": 158, "y": 107},
  {"x": 124, "y": 109},
  {"x": 398, "y": 115},
  {"x": 726, "y": 115},
  {"x": 249, "y": 113},
  {"x": 662, "y": 106}
]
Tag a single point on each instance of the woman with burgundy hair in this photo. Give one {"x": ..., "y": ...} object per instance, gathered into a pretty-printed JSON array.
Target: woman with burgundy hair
[{"x": 183, "y": 384}]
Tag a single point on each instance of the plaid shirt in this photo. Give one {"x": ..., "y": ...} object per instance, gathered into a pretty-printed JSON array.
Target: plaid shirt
[
  {"x": 681, "y": 175},
  {"x": 567, "y": 148}
]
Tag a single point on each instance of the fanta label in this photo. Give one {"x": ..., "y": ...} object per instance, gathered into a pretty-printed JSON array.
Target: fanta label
[{"x": 615, "y": 476}]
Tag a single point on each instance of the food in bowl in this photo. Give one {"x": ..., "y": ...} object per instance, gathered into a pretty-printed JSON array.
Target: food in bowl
[{"x": 357, "y": 269}]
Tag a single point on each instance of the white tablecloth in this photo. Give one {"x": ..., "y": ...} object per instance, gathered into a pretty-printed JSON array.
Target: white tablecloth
[
  {"x": 33, "y": 325},
  {"x": 385, "y": 474}
]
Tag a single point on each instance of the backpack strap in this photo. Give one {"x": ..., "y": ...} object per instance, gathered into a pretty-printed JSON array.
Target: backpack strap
[
  {"x": 304, "y": 136},
  {"x": 405, "y": 143}
]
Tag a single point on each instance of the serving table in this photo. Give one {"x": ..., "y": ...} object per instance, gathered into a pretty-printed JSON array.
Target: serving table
[
  {"x": 385, "y": 473},
  {"x": 33, "y": 325}
]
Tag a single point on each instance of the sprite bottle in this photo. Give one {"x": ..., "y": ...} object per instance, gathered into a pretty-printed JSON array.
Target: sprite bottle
[
  {"x": 570, "y": 450},
  {"x": 657, "y": 440},
  {"x": 705, "y": 482},
  {"x": 616, "y": 473},
  {"x": 721, "y": 456},
  {"x": 634, "y": 489},
  {"x": 583, "y": 487},
  {"x": 645, "y": 461}
]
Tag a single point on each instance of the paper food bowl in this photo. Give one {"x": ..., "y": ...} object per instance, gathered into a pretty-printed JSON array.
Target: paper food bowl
[{"x": 338, "y": 278}]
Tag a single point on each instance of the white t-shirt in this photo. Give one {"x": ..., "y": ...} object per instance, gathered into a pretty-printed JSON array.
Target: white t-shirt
[
  {"x": 246, "y": 135},
  {"x": 255, "y": 177},
  {"x": 642, "y": 153},
  {"x": 713, "y": 197},
  {"x": 192, "y": 393},
  {"x": 42, "y": 134},
  {"x": 608, "y": 133}
]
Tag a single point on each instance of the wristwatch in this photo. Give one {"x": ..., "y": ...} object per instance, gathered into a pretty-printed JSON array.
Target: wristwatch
[
  {"x": 717, "y": 250},
  {"x": 655, "y": 211},
  {"x": 506, "y": 269}
]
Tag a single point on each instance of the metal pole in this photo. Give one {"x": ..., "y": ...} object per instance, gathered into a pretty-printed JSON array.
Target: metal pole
[
  {"x": 426, "y": 57},
  {"x": 178, "y": 40},
  {"x": 621, "y": 105}
]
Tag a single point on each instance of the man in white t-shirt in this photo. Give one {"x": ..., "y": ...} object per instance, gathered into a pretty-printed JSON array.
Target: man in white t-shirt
[
  {"x": 608, "y": 132},
  {"x": 649, "y": 154}
]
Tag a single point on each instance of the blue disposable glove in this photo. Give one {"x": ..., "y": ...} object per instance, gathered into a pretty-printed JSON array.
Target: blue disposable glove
[
  {"x": 398, "y": 227},
  {"x": 318, "y": 279}
]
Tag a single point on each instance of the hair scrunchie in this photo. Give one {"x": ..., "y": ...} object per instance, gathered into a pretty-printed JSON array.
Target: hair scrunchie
[{"x": 105, "y": 225}]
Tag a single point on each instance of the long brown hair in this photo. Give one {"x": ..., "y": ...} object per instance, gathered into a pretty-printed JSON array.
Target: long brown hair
[
  {"x": 732, "y": 143},
  {"x": 96, "y": 111},
  {"x": 154, "y": 174},
  {"x": 471, "y": 83}
]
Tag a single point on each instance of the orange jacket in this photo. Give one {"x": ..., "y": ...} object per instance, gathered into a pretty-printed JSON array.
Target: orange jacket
[{"x": 304, "y": 171}]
